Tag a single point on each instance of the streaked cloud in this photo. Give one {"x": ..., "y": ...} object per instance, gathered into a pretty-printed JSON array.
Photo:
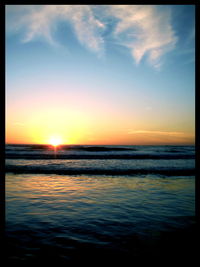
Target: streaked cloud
[
  {"x": 18, "y": 124},
  {"x": 41, "y": 21},
  {"x": 156, "y": 132},
  {"x": 143, "y": 29},
  {"x": 162, "y": 137}
]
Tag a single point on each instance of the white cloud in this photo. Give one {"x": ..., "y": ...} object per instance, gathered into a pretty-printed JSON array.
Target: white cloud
[
  {"x": 143, "y": 29},
  {"x": 86, "y": 26},
  {"x": 41, "y": 21}
]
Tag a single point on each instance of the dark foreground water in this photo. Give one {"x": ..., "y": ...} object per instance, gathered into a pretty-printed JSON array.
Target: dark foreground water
[{"x": 87, "y": 204}]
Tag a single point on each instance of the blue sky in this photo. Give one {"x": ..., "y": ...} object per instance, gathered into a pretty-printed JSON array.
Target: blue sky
[{"x": 129, "y": 69}]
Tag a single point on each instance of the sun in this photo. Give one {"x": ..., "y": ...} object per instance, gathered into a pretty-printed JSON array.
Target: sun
[{"x": 55, "y": 141}]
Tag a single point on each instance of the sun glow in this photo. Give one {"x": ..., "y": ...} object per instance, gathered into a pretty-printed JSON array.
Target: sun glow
[{"x": 55, "y": 141}]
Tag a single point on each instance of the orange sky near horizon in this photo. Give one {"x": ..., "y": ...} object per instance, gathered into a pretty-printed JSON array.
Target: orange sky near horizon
[
  {"x": 31, "y": 120},
  {"x": 80, "y": 129},
  {"x": 86, "y": 76}
]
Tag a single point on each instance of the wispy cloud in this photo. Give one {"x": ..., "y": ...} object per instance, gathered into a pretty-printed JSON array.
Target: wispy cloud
[
  {"x": 18, "y": 124},
  {"x": 156, "y": 132},
  {"x": 144, "y": 30},
  {"x": 162, "y": 136},
  {"x": 41, "y": 21}
]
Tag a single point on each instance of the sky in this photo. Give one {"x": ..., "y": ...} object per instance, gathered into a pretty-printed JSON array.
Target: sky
[{"x": 100, "y": 74}]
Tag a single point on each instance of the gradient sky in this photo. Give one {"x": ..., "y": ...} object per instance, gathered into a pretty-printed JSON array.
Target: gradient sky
[{"x": 100, "y": 74}]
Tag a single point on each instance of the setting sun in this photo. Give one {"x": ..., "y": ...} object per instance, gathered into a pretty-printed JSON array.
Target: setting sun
[
  {"x": 78, "y": 98},
  {"x": 100, "y": 118},
  {"x": 55, "y": 141}
]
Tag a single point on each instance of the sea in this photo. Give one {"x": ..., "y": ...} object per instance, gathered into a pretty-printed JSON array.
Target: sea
[{"x": 81, "y": 204}]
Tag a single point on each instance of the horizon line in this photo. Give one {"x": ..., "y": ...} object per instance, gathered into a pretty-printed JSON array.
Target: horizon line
[{"x": 164, "y": 144}]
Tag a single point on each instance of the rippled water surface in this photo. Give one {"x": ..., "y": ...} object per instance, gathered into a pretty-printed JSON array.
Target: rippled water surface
[{"x": 69, "y": 218}]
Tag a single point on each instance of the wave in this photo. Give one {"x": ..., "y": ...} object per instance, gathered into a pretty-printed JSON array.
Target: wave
[
  {"x": 100, "y": 148},
  {"x": 99, "y": 171},
  {"x": 71, "y": 147},
  {"x": 98, "y": 156}
]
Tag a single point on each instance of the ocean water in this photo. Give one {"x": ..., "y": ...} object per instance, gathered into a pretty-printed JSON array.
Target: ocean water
[{"x": 94, "y": 204}]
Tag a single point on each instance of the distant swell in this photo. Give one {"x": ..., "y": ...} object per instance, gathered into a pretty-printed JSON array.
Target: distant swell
[
  {"x": 97, "y": 171},
  {"x": 69, "y": 148},
  {"x": 99, "y": 156}
]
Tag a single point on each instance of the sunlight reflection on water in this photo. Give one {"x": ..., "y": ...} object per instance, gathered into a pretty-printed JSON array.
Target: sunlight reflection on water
[{"x": 66, "y": 213}]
